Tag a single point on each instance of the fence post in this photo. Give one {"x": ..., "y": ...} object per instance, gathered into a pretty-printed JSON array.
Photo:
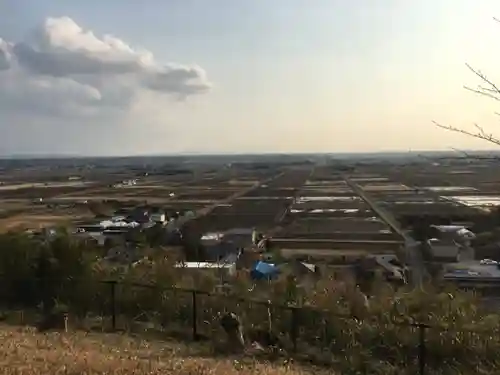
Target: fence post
[
  {"x": 294, "y": 328},
  {"x": 112, "y": 285},
  {"x": 195, "y": 316},
  {"x": 421, "y": 348}
]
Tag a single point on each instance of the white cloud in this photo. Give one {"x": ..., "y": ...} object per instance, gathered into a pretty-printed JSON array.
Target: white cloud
[{"x": 61, "y": 69}]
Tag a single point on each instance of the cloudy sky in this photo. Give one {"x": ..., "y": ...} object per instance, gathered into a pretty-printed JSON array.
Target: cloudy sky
[{"x": 123, "y": 77}]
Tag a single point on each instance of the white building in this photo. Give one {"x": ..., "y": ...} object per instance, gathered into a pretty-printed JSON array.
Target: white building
[
  {"x": 454, "y": 241},
  {"x": 158, "y": 217}
]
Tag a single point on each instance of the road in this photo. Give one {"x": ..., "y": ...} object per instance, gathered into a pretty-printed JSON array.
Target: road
[{"x": 411, "y": 253}]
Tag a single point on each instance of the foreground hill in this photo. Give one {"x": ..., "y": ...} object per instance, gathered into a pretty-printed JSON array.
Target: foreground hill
[{"x": 24, "y": 351}]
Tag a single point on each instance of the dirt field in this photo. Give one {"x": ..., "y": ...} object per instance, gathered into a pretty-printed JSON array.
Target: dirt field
[
  {"x": 27, "y": 221},
  {"x": 29, "y": 216},
  {"x": 48, "y": 185},
  {"x": 326, "y": 253},
  {"x": 119, "y": 198}
]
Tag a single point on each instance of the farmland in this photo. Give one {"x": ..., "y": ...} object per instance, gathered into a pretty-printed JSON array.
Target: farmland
[{"x": 304, "y": 207}]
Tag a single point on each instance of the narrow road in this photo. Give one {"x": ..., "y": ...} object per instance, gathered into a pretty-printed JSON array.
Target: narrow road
[{"x": 411, "y": 254}]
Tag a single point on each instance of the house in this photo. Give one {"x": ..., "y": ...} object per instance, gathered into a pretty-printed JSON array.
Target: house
[
  {"x": 158, "y": 217},
  {"x": 217, "y": 251},
  {"x": 219, "y": 245},
  {"x": 392, "y": 268},
  {"x": 139, "y": 215},
  {"x": 221, "y": 269},
  {"x": 241, "y": 238},
  {"x": 388, "y": 264},
  {"x": 301, "y": 269},
  {"x": 451, "y": 243},
  {"x": 473, "y": 274}
]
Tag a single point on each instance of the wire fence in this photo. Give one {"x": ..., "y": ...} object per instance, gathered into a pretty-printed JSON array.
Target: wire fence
[{"x": 316, "y": 334}]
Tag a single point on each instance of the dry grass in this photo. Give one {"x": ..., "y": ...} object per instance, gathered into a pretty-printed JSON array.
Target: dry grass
[{"x": 24, "y": 351}]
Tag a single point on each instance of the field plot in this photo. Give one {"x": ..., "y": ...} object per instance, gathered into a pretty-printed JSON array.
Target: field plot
[
  {"x": 328, "y": 221},
  {"x": 323, "y": 199},
  {"x": 282, "y": 186},
  {"x": 328, "y": 255},
  {"x": 237, "y": 174},
  {"x": 173, "y": 179},
  {"x": 442, "y": 193},
  {"x": 265, "y": 192},
  {"x": 150, "y": 193},
  {"x": 450, "y": 178},
  {"x": 180, "y": 206},
  {"x": 382, "y": 185},
  {"x": 204, "y": 181},
  {"x": 334, "y": 246},
  {"x": 36, "y": 218},
  {"x": 448, "y": 209},
  {"x": 341, "y": 205},
  {"x": 123, "y": 192},
  {"x": 313, "y": 182},
  {"x": 325, "y": 173},
  {"x": 109, "y": 198},
  {"x": 327, "y": 192},
  {"x": 42, "y": 190},
  {"x": 238, "y": 183},
  {"x": 408, "y": 194},
  {"x": 338, "y": 229},
  {"x": 291, "y": 179},
  {"x": 204, "y": 193},
  {"x": 243, "y": 213}
]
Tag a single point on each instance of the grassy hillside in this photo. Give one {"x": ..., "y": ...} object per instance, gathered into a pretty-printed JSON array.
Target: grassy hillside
[{"x": 24, "y": 351}]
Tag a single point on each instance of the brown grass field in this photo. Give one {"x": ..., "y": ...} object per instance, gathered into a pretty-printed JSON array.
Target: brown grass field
[
  {"x": 40, "y": 220},
  {"x": 24, "y": 351}
]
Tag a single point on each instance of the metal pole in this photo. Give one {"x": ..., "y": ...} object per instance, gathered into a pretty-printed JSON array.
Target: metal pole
[
  {"x": 421, "y": 349},
  {"x": 113, "y": 304},
  {"x": 195, "y": 316},
  {"x": 294, "y": 328}
]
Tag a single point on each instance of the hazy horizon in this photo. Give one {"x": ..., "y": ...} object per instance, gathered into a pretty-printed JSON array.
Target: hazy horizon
[
  {"x": 226, "y": 77},
  {"x": 413, "y": 153}
]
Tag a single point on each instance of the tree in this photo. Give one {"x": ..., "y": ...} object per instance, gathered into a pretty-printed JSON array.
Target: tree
[
  {"x": 136, "y": 236},
  {"x": 486, "y": 88},
  {"x": 156, "y": 235},
  {"x": 191, "y": 243}
]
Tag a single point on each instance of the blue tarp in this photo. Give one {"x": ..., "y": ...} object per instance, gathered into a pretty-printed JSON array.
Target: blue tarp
[{"x": 262, "y": 271}]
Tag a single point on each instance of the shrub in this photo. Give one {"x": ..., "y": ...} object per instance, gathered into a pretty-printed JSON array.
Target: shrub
[{"x": 332, "y": 316}]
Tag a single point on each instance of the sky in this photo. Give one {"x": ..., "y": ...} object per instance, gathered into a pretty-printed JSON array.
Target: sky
[{"x": 126, "y": 77}]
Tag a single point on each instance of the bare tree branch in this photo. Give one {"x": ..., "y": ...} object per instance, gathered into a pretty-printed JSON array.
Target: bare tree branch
[
  {"x": 468, "y": 156},
  {"x": 481, "y": 134},
  {"x": 491, "y": 90},
  {"x": 487, "y": 88}
]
